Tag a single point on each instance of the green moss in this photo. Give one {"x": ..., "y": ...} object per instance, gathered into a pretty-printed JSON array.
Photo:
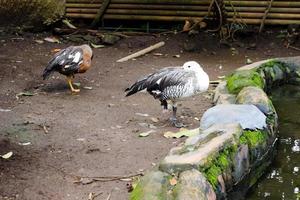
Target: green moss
[
  {"x": 218, "y": 165},
  {"x": 212, "y": 174},
  {"x": 151, "y": 186},
  {"x": 241, "y": 79},
  {"x": 137, "y": 193},
  {"x": 253, "y": 138},
  {"x": 274, "y": 70},
  {"x": 273, "y": 63},
  {"x": 223, "y": 161}
]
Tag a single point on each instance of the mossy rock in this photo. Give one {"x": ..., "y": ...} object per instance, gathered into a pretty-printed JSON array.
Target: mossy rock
[
  {"x": 256, "y": 96},
  {"x": 151, "y": 187},
  {"x": 253, "y": 138},
  {"x": 274, "y": 72},
  {"x": 193, "y": 185},
  {"x": 220, "y": 164},
  {"x": 240, "y": 79}
]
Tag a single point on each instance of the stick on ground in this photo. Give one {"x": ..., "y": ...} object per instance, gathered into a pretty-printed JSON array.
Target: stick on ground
[{"x": 142, "y": 52}]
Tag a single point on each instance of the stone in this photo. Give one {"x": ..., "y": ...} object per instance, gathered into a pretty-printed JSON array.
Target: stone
[
  {"x": 274, "y": 72},
  {"x": 110, "y": 39},
  {"x": 151, "y": 187},
  {"x": 253, "y": 66},
  {"x": 227, "y": 177},
  {"x": 255, "y": 96},
  {"x": 218, "y": 136},
  {"x": 279, "y": 74},
  {"x": 241, "y": 163},
  {"x": 226, "y": 99},
  {"x": 220, "y": 89},
  {"x": 193, "y": 185},
  {"x": 293, "y": 63},
  {"x": 222, "y": 187},
  {"x": 248, "y": 116},
  {"x": 176, "y": 150}
]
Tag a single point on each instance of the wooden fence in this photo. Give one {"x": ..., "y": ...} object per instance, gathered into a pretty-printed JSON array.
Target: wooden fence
[{"x": 245, "y": 11}]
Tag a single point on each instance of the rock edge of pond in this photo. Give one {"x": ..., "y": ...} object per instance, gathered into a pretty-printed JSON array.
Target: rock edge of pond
[{"x": 236, "y": 139}]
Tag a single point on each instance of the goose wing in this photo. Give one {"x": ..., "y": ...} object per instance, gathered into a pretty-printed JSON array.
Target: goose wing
[
  {"x": 67, "y": 61},
  {"x": 160, "y": 80}
]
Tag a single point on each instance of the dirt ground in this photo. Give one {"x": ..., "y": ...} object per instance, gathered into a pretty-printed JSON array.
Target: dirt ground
[{"x": 96, "y": 133}]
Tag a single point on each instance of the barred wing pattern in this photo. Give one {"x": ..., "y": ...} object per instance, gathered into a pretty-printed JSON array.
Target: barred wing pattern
[
  {"x": 66, "y": 61},
  {"x": 169, "y": 83}
]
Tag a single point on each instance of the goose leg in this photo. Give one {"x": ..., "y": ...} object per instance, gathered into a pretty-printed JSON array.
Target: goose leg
[
  {"x": 174, "y": 119},
  {"x": 69, "y": 80}
]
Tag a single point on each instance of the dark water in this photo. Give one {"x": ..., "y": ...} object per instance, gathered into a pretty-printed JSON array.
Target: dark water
[{"x": 283, "y": 178}]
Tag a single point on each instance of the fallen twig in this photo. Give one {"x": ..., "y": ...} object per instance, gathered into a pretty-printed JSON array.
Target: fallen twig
[
  {"x": 93, "y": 195},
  {"x": 108, "y": 197},
  {"x": 142, "y": 52},
  {"x": 44, "y": 128},
  {"x": 88, "y": 180},
  {"x": 292, "y": 47}
]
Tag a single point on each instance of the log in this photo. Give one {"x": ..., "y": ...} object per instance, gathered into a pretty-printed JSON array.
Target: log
[
  {"x": 141, "y": 12},
  {"x": 262, "y": 9},
  {"x": 270, "y": 15},
  {"x": 142, "y": 52},
  {"x": 177, "y": 2},
  {"x": 139, "y": 6},
  {"x": 268, "y": 21},
  {"x": 83, "y": 5},
  {"x": 263, "y": 3},
  {"x": 133, "y": 17}
]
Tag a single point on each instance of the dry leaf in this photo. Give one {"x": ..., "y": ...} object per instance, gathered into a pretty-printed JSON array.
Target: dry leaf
[
  {"x": 173, "y": 181},
  {"x": 196, "y": 118},
  {"x": 145, "y": 134},
  {"x": 142, "y": 114},
  {"x": 96, "y": 46},
  {"x": 4, "y": 110},
  {"x": 39, "y": 41},
  {"x": 24, "y": 143},
  {"x": 154, "y": 119},
  {"x": 87, "y": 88},
  {"x": 77, "y": 84},
  {"x": 52, "y": 39},
  {"x": 24, "y": 94},
  {"x": 7, "y": 155},
  {"x": 187, "y": 26},
  {"x": 91, "y": 196},
  {"x": 182, "y": 132},
  {"x": 55, "y": 50}
]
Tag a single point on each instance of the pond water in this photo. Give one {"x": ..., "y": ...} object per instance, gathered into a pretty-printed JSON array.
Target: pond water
[{"x": 282, "y": 181}]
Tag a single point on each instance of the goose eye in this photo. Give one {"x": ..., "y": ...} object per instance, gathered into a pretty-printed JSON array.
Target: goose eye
[{"x": 189, "y": 66}]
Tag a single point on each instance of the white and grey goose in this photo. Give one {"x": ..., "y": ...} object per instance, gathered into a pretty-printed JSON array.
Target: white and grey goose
[{"x": 172, "y": 84}]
